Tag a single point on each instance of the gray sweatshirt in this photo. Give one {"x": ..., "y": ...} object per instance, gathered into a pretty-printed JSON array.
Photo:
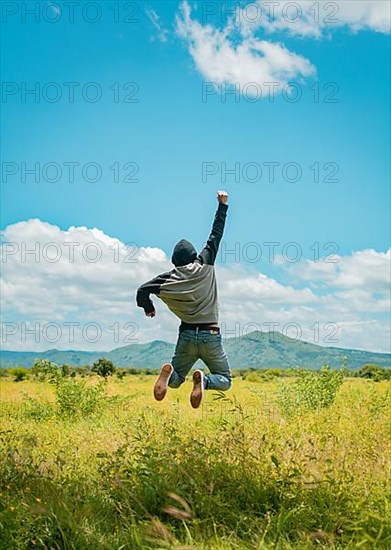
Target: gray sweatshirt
[{"x": 189, "y": 290}]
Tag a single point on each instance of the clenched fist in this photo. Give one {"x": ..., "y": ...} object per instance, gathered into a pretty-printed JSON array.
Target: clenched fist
[{"x": 222, "y": 196}]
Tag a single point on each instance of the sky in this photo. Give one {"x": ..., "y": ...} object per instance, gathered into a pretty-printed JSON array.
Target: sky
[{"x": 122, "y": 120}]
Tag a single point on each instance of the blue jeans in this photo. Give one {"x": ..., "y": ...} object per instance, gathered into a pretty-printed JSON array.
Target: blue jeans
[{"x": 192, "y": 345}]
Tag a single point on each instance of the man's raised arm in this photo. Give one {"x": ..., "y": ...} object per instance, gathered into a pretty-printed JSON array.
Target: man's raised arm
[{"x": 209, "y": 253}]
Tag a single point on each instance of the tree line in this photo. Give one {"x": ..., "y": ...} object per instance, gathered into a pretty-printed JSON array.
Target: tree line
[{"x": 43, "y": 369}]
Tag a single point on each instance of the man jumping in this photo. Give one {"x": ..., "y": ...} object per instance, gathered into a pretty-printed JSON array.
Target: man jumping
[{"x": 189, "y": 290}]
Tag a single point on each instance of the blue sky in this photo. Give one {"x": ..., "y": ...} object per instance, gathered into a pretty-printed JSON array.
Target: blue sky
[{"x": 171, "y": 132}]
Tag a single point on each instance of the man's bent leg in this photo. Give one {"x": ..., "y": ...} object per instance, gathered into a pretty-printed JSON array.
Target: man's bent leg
[
  {"x": 185, "y": 356},
  {"x": 215, "y": 358}
]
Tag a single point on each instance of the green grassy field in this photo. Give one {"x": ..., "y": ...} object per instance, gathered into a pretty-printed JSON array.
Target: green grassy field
[{"x": 238, "y": 473}]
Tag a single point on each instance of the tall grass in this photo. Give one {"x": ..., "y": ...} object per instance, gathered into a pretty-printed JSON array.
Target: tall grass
[{"x": 238, "y": 473}]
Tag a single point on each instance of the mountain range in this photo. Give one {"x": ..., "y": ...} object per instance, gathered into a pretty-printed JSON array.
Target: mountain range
[{"x": 254, "y": 350}]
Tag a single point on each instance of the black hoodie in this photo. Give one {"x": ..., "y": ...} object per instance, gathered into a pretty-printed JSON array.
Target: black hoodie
[{"x": 184, "y": 253}]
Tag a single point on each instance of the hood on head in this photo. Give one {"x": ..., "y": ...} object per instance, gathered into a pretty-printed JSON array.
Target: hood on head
[{"x": 184, "y": 253}]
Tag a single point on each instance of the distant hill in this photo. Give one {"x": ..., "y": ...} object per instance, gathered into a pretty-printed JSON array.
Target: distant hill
[{"x": 255, "y": 350}]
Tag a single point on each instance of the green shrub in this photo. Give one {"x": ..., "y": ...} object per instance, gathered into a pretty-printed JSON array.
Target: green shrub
[
  {"x": 134, "y": 371},
  {"x": 34, "y": 409},
  {"x": 46, "y": 370},
  {"x": 253, "y": 377},
  {"x": 120, "y": 373},
  {"x": 82, "y": 371},
  {"x": 373, "y": 372},
  {"x": 19, "y": 374},
  {"x": 75, "y": 399},
  {"x": 103, "y": 367},
  {"x": 66, "y": 370},
  {"x": 310, "y": 391}
]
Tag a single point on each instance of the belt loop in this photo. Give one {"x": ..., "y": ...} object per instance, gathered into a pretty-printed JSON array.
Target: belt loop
[{"x": 197, "y": 329}]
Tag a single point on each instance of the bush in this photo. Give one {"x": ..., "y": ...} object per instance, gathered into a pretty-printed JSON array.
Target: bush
[
  {"x": 311, "y": 391},
  {"x": 261, "y": 374},
  {"x": 134, "y": 371},
  {"x": 46, "y": 370},
  {"x": 103, "y": 367},
  {"x": 150, "y": 372},
  {"x": 270, "y": 374},
  {"x": 373, "y": 372},
  {"x": 273, "y": 373},
  {"x": 19, "y": 374},
  {"x": 76, "y": 399},
  {"x": 82, "y": 371},
  {"x": 35, "y": 410},
  {"x": 65, "y": 370},
  {"x": 253, "y": 377}
]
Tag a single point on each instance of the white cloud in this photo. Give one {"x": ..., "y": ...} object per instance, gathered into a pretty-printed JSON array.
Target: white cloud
[
  {"x": 313, "y": 19},
  {"x": 80, "y": 275},
  {"x": 236, "y": 55},
  {"x": 347, "y": 310},
  {"x": 238, "y": 285},
  {"x": 364, "y": 269},
  {"x": 220, "y": 60},
  {"x": 155, "y": 19},
  {"x": 363, "y": 14}
]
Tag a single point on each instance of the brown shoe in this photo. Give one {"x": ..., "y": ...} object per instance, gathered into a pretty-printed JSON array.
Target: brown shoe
[
  {"x": 161, "y": 384},
  {"x": 198, "y": 389}
]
